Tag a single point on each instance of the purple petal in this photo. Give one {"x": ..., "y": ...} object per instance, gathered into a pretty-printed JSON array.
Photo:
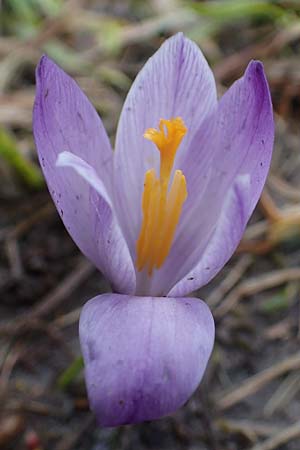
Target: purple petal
[
  {"x": 144, "y": 356},
  {"x": 113, "y": 255},
  {"x": 229, "y": 230},
  {"x": 64, "y": 120},
  {"x": 67, "y": 159},
  {"x": 176, "y": 81},
  {"x": 242, "y": 149}
]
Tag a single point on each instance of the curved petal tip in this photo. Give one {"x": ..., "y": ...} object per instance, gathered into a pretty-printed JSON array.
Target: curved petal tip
[
  {"x": 144, "y": 356},
  {"x": 46, "y": 68},
  {"x": 44, "y": 60}
]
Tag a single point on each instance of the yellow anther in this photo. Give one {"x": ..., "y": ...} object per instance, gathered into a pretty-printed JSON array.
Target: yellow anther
[{"x": 161, "y": 206}]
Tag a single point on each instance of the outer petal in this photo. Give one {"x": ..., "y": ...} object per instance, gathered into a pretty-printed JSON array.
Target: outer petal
[
  {"x": 244, "y": 142},
  {"x": 113, "y": 255},
  {"x": 176, "y": 81},
  {"x": 64, "y": 120},
  {"x": 144, "y": 356}
]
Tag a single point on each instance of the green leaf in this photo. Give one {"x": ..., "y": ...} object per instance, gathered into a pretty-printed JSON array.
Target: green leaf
[
  {"x": 26, "y": 169},
  {"x": 110, "y": 37},
  {"x": 114, "y": 77},
  {"x": 49, "y": 7},
  {"x": 232, "y": 10},
  {"x": 278, "y": 302},
  {"x": 71, "y": 373}
]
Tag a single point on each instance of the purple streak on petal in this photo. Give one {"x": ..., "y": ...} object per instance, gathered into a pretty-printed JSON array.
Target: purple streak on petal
[
  {"x": 238, "y": 141},
  {"x": 144, "y": 356},
  {"x": 64, "y": 120},
  {"x": 243, "y": 148},
  {"x": 113, "y": 255},
  {"x": 176, "y": 81},
  {"x": 116, "y": 261},
  {"x": 227, "y": 235}
]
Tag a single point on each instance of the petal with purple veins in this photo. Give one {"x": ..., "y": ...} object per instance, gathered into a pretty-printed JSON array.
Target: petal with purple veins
[
  {"x": 176, "y": 81},
  {"x": 242, "y": 147},
  {"x": 230, "y": 227},
  {"x": 65, "y": 121},
  {"x": 144, "y": 356},
  {"x": 113, "y": 258}
]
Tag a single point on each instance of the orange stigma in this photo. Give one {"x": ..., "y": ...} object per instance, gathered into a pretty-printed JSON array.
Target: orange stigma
[{"x": 161, "y": 205}]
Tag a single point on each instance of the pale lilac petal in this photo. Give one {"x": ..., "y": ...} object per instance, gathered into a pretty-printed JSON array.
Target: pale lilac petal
[
  {"x": 238, "y": 205},
  {"x": 238, "y": 139},
  {"x": 67, "y": 159},
  {"x": 176, "y": 81},
  {"x": 144, "y": 356},
  {"x": 113, "y": 259},
  {"x": 64, "y": 120},
  {"x": 243, "y": 148},
  {"x": 116, "y": 262}
]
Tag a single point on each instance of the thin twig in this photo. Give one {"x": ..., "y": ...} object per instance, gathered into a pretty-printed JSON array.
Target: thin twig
[
  {"x": 254, "y": 285},
  {"x": 8, "y": 366},
  {"x": 24, "y": 225},
  {"x": 268, "y": 207},
  {"x": 69, "y": 441},
  {"x": 280, "y": 330},
  {"x": 67, "y": 319},
  {"x": 39, "y": 408},
  {"x": 283, "y": 395},
  {"x": 257, "y": 382},
  {"x": 13, "y": 255},
  {"x": 248, "y": 428},
  {"x": 82, "y": 271},
  {"x": 230, "y": 280},
  {"x": 284, "y": 188},
  {"x": 284, "y": 436},
  {"x": 256, "y": 230},
  {"x": 233, "y": 64}
]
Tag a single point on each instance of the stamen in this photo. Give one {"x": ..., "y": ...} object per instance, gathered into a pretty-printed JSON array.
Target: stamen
[
  {"x": 150, "y": 199},
  {"x": 161, "y": 207},
  {"x": 176, "y": 199}
]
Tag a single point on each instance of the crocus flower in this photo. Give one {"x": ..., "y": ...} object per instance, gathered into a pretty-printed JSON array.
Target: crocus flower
[{"x": 159, "y": 217}]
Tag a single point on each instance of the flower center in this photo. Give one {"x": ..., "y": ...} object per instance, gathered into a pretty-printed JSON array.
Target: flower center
[{"x": 161, "y": 205}]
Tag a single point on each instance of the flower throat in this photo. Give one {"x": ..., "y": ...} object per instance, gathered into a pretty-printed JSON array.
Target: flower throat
[{"x": 161, "y": 205}]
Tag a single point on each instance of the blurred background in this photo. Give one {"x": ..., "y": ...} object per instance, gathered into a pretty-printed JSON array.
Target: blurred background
[{"x": 250, "y": 397}]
